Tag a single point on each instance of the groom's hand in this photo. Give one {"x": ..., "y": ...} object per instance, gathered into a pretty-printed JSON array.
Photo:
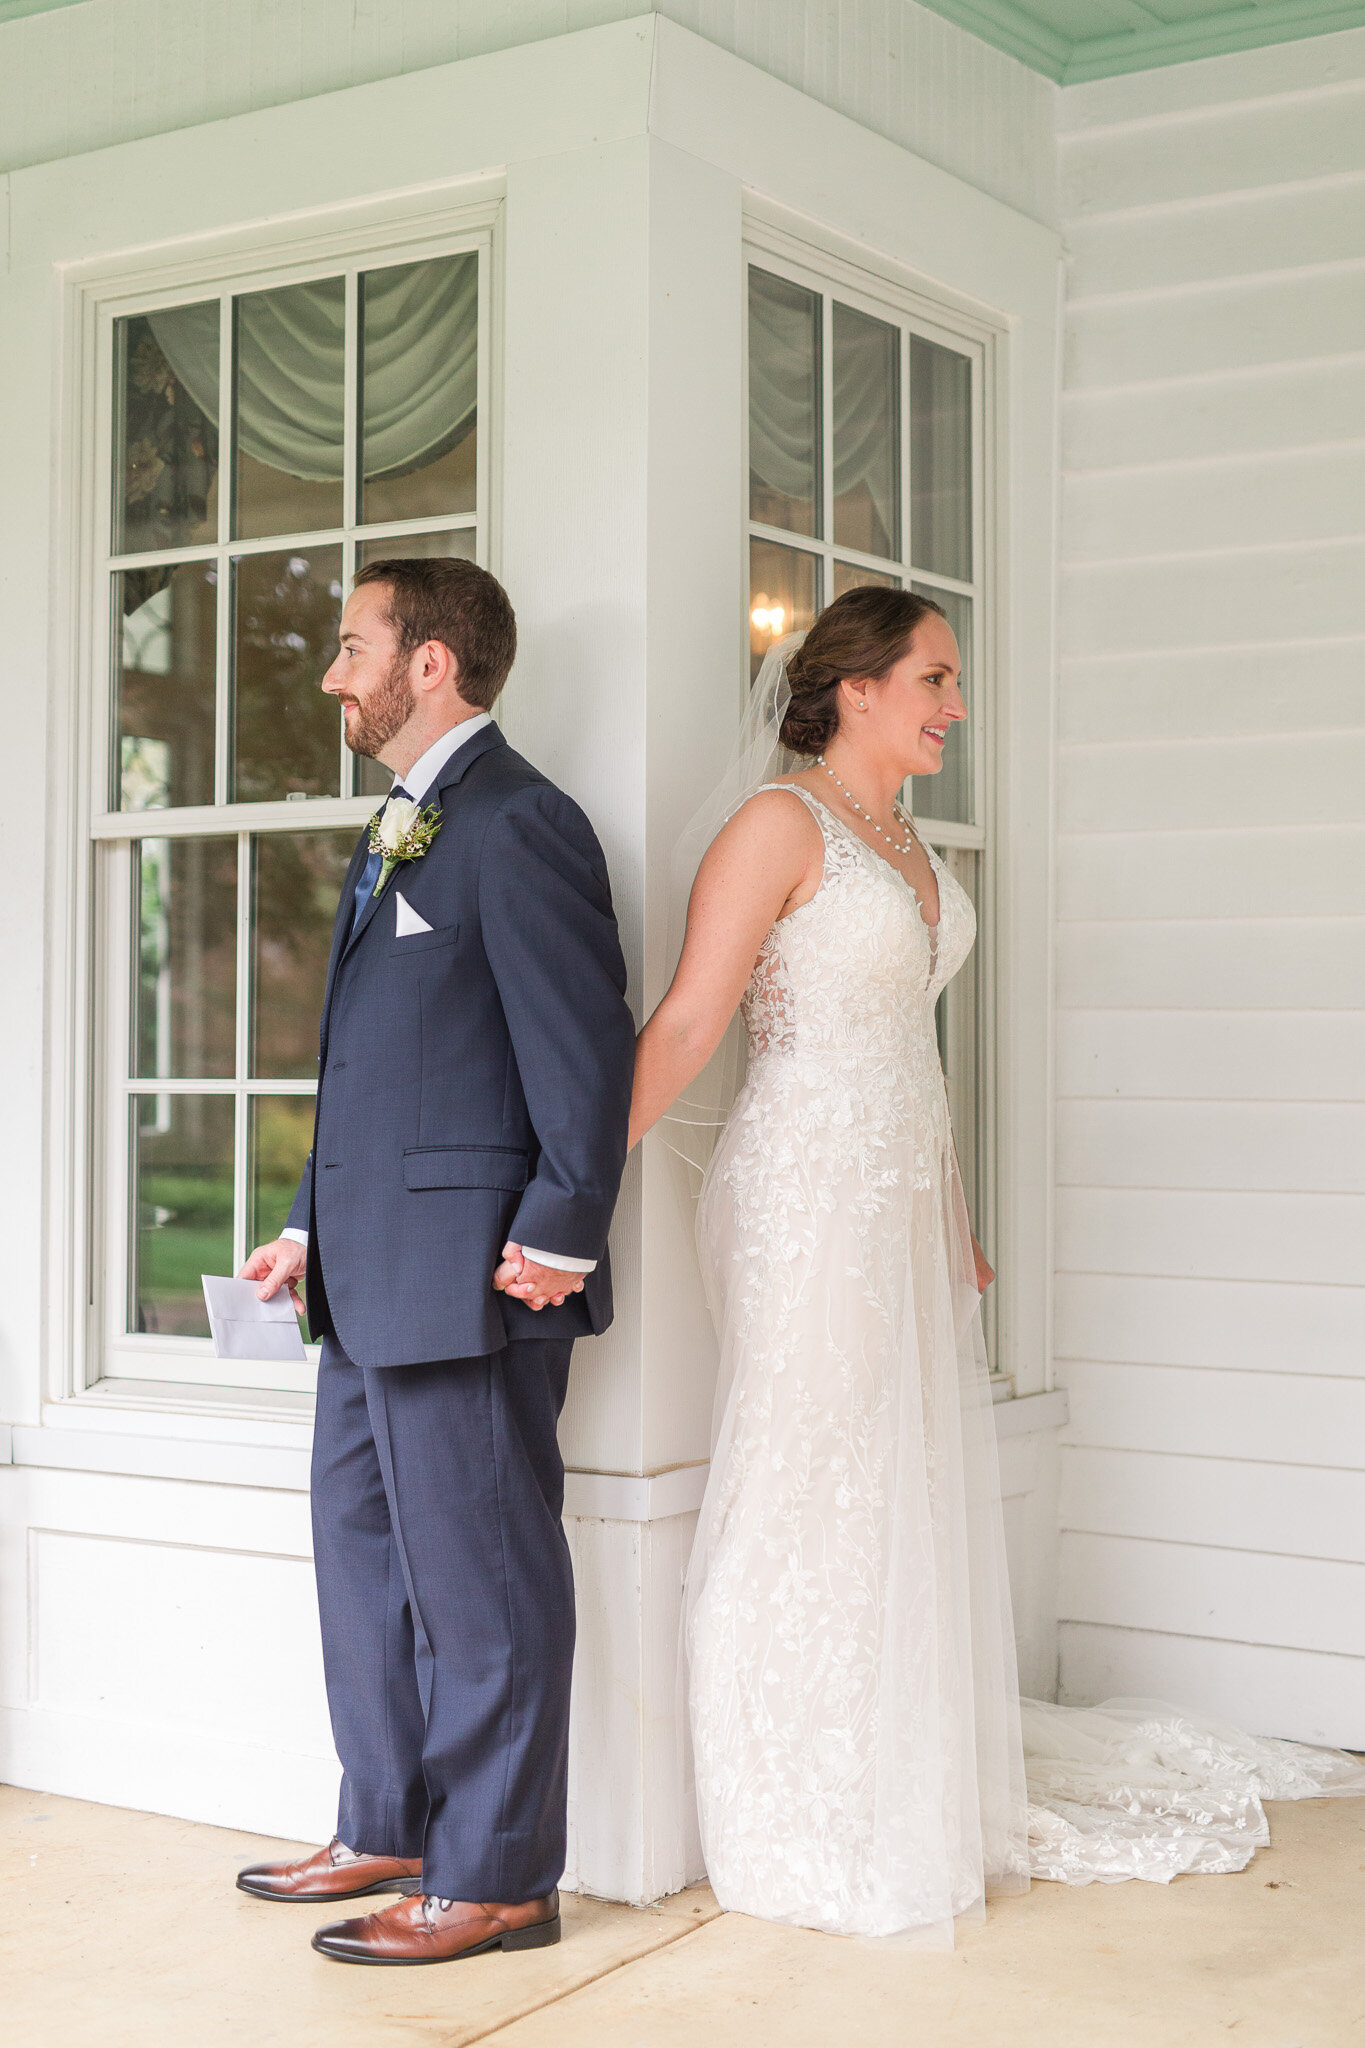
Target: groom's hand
[
  {"x": 282, "y": 1263},
  {"x": 538, "y": 1286}
]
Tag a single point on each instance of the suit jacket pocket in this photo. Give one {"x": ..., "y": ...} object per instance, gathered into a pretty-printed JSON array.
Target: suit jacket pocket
[
  {"x": 465, "y": 1166},
  {"x": 422, "y": 942}
]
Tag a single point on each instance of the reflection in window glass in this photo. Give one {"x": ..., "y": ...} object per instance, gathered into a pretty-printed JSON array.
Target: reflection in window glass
[
  {"x": 182, "y": 1147},
  {"x": 166, "y": 429},
  {"x": 279, "y": 1135},
  {"x": 782, "y": 596},
  {"x": 847, "y": 577},
  {"x": 866, "y": 433},
  {"x": 186, "y": 926},
  {"x": 296, "y": 882},
  {"x": 286, "y": 732},
  {"x": 419, "y": 354},
  {"x": 940, "y": 459},
  {"x": 289, "y": 383},
  {"x": 784, "y": 404},
  {"x": 164, "y": 647},
  {"x": 949, "y": 794}
]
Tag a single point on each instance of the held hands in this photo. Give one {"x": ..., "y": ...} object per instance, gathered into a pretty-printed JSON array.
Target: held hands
[
  {"x": 282, "y": 1263},
  {"x": 538, "y": 1286}
]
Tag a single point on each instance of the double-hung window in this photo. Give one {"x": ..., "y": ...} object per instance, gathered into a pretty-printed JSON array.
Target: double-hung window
[
  {"x": 868, "y": 464},
  {"x": 263, "y": 438}
]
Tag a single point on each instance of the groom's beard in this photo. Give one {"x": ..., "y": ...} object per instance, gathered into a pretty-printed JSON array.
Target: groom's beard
[{"x": 384, "y": 713}]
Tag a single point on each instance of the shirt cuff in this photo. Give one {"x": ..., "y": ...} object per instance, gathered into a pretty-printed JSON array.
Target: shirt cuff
[
  {"x": 557, "y": 1259},
  {"x": 296, "y": 1236}
]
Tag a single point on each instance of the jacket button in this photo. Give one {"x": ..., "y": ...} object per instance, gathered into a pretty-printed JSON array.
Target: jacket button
[{"x": 337, "y": 1065}]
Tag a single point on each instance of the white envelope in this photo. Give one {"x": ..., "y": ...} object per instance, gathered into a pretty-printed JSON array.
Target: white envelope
[
  {"x": 408, "y": 921},
  {"x": 244, "y": 1326}
]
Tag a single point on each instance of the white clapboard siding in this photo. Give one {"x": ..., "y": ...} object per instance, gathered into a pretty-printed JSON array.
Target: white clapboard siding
[
  {"x": 1214, "y": 692},
  {"x": 1234, "y": 781},
  {"x": 1164, "y": 249},
  {"x": 1256, "y": 500},
  {"x": 1271, "y": 1418},
  {"x": 1296, "y": 404},
  {"x": 1228, "y": 1325},
  {"x": 1227, "y": 1502},
  {"x": 1212, "y": 1055},
  {"x": 1302, "y": 1694},
  {"x": 1302, "y": 1147},
  {"x": 1318, "y": 1240},
  {"x": 1203, "y": 963},
  {"x": 1209, "y": 1307},
  {"x": 1293, "y": 1603}
]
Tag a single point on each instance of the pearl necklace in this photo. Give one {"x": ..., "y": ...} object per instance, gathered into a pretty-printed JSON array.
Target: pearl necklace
[{"x": 897, "y": 811}]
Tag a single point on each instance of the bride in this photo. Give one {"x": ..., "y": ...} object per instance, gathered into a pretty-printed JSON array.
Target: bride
[{"x": 854, "y": 1704}]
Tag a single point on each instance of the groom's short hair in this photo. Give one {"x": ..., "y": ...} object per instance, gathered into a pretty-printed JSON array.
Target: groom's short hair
[{"x": 459, "y": 604}]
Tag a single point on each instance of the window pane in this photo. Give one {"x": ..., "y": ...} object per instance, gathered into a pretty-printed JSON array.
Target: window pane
[
  {"x": 280, "y": 1131},
  {"x": 182, "y": 1227},
  {"x": 419, "y": 382},
  {"x": 165, "y": 623},
  {"x": 949, "y": 794},
  {"x": 186, "y": 904},
  {"x": 940, "y": 459},
  {"x": 784, "y": 404},
  {"x": 459, "y": 541},
  {"x": 290, "y": 383},
  {"x": 166, "y": 429},
  {"x": 286, "y": 733},
  {"x": 866, "y": 433},
  {"x": 297, "y": 880},
  {"x": 782, "y": 596},
  {"x": 847, "y": 577}
]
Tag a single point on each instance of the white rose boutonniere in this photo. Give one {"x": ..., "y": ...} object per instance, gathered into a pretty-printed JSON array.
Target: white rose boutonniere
[{"x": 402, "y": 831}]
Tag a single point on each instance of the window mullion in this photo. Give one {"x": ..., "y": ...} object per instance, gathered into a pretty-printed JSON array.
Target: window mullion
[
  {"x": 826, "y": 445},
  {"x": 227, "y": 464},
  {"x": 244, "y": 908},
  {"x": 350, "y": 470}
]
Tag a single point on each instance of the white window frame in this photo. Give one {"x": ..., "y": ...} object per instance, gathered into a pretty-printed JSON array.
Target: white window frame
[
  {"x": 103, "y": 1360},
  {"x": 970, "y": 998}
]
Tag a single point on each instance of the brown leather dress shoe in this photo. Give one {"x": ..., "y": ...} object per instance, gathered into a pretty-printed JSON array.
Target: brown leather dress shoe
[
  {"x": 431, "y": 1930},
  {"x": 335, "y": 1872}
]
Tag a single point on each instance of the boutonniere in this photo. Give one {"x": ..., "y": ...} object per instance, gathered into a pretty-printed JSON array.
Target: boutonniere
[{"x": 401, "y": 831}]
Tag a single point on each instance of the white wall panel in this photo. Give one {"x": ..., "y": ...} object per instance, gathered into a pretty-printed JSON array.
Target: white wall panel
[
  {"x": 1224, "y": 1501},
  {"x": 1238, "y": 1325},
  {"x": 1271, "y": 1418},
  {"x": 1313, "y": 870},
  {"x": 1233, "y": 1055},
  {"x": 1221, "y": 328},
  {"x": 1309, "y": 399},
  {"x": 1219, "y": 599},
  {"x": 1314, "y": 1239},
  {"x": 1283, "y": 1147},
  {"x": 1272, "y": 780},
  {"x": 1301, "y": 1694},
  {"x": 1292, "y": 1603},
  {"x": 1256, "y": 499},
  {"x": 1214, "y": 692},
  {"x": 1273, "y": 963},
  {"x": 1309, "y": 221}
]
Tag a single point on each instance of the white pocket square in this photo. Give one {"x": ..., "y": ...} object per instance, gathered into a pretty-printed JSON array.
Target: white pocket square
[{"x": 408, "y": 920}]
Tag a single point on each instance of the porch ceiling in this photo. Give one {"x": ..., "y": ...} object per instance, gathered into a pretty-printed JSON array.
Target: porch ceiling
[{"x": 1073, "y": 40}]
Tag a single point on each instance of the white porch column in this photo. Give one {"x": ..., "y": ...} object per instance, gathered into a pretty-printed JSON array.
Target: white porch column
[{"x": 621, "y": 548}]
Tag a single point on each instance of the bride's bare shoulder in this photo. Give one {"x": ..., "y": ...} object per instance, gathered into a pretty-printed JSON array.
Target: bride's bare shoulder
[{"x": 774, "y": 814}]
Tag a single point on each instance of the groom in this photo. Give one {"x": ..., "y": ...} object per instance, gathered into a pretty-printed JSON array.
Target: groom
[{"x": 473, "y": 1093}]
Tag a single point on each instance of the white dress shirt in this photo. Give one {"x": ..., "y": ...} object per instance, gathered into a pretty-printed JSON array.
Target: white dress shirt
[{"x": 417, "y": 782}]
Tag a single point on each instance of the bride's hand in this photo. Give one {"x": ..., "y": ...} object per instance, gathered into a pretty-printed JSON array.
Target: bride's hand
[{"x": 985, "y": 1272}]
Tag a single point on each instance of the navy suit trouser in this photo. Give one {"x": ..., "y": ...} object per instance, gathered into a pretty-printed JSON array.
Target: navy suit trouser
[{"x": 446, "y": 1598}]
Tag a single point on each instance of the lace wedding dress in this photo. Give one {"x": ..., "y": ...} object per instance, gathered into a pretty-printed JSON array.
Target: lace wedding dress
[{"x": 855, "y": 1716}]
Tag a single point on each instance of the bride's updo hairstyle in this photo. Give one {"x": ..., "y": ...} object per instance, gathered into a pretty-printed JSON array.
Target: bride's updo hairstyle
[{"x": 863, "y": 633}]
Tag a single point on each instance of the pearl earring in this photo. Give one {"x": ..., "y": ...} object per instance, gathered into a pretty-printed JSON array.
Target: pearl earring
[{"x": 863, "y": 705}]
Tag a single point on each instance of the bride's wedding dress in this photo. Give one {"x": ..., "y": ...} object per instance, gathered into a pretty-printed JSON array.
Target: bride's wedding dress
[{"x": 855, "y": 1715}]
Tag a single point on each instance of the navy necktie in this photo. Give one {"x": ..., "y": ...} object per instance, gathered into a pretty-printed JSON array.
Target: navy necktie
[{"x": 369, "y": 874}]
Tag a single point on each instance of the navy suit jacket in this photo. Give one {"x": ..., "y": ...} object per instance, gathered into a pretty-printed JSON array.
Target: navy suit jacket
[{"x": 473, "y": 1080}]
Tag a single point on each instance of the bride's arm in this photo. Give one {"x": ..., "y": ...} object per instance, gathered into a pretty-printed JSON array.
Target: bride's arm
[{"x": 768, "y": 858}]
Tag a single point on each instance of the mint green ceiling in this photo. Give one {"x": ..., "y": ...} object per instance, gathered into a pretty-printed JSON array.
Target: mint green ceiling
[{"x": 1071, "y": 40}]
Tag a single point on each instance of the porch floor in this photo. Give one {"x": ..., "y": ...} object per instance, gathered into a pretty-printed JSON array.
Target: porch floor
[{"x": 122, "y": 1928}]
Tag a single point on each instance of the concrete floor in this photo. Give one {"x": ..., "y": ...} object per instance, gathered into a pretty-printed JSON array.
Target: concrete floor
[{"x": 119, "y": 1928}]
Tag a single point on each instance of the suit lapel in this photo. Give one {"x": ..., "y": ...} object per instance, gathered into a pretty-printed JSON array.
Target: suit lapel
[{"x": 342, "y": 925}]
